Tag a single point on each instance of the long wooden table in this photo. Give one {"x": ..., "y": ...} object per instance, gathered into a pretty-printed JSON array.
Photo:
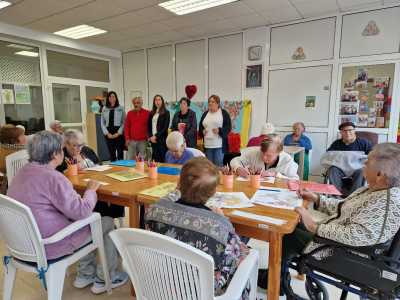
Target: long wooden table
[{"x": 128, "y": 194}]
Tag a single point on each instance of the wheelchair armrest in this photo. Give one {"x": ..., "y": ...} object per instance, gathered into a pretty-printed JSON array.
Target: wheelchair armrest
[
  {"x": 62, "y": 234},
  {"x": 371, "y": 250}
]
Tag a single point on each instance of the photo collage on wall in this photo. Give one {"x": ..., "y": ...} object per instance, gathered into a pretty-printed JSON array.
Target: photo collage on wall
[{"x": 365, "y": 100}]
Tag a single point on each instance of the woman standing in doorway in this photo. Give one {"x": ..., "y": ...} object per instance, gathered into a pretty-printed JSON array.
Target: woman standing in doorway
[
  {"x": 214, "y": 127},
  {"x": 112, "y": 125},
  {"x": 157, "y": 127}
]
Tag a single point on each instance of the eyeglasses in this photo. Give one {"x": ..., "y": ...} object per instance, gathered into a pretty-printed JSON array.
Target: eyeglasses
[
  {"x": 78, "y": 146},
  {"x": 348, "y": 130}
]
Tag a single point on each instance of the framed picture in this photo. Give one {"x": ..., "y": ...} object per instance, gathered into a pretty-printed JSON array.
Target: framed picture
[{"x": 254, "y": 76}]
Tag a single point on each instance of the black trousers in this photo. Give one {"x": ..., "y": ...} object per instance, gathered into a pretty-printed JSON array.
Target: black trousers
[
  {"x": 116, "y": 148},
  {"x": 159, "y": 150}
]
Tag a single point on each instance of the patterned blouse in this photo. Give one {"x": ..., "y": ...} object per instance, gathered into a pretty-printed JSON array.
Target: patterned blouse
[
  {"x": 364, "y": 218},
  {"x": 199, "y": 227}
]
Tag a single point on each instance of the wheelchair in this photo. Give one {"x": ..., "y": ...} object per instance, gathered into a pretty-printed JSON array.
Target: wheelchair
[{"x": 372, "y": 272}]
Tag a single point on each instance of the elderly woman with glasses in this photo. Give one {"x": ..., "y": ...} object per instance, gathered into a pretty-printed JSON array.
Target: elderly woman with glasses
[
  {"x": 369, "y": 216},
  {"x": 76, "y": 150},
  {"x": 55, "y": 205}
]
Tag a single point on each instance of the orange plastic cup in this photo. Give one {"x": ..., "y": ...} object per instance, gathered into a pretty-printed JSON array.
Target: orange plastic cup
[
  {"x": 255, "y": 181},
  {"x": 153, "y": 173},
  {"x": 227, "y": 181},
  {"x": 72, "y": 170}
]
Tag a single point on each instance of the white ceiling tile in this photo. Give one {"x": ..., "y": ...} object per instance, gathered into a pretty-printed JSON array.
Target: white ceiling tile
[
  {"x": 134, "y": 4},
  {"x": 230, "y": 10},
  {"x": 85, "y": 14},
  {"x": 144, "y": 30},
  {"x": 121, "y": 22},
  {"x": 244, "y": 22},
  {"x": 281, "y": 14},
  {"x": 211, "y": 28},
  {"x": 260, "y": 5},
  {"x": 27, "y": 11},
  {"x": 313, "y": 8},
  {"x": 189, "y": 20},
  {"x": 391, "y": 2},
  {"x": 346, "y": 5}
]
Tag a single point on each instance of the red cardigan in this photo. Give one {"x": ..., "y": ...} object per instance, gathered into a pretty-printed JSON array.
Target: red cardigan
[{"x": 136, "y": 125}]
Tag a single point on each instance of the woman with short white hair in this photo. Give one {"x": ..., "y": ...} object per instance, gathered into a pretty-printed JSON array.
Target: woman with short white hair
[{"x": 177, "y": 152}]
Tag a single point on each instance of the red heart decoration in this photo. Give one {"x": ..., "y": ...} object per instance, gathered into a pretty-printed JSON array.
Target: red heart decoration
[{"x": 190, "y": 91}]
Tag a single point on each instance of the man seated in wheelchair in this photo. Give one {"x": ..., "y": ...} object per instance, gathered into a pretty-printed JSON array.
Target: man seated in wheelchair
[{"x": 369, "y": 216}]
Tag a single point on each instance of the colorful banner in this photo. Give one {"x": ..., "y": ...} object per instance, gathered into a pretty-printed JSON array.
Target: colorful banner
[{"x": 240, "y": 112}]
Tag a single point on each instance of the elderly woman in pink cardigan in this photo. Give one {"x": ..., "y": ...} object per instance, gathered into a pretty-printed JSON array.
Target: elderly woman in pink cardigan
[{"x": 55, "y": 205}]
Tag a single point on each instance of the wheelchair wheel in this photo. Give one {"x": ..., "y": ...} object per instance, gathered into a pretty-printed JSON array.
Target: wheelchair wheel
[{"x": 315, "y": 289}]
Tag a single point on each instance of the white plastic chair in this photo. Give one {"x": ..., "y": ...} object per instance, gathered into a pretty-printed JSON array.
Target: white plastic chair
[
  {"x": 196, "y": 152},
  {"x": 161, "y": 267},
  {"x": 14, "y": 162},
  {"x": 24, "y": 243}
]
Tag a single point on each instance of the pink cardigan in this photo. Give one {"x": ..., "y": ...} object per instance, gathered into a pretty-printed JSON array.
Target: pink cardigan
[{"x": 54, "y": 204}]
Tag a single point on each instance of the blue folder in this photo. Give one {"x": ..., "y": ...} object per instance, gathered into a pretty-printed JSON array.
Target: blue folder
[
  {"x": 169, "y": 170},
  {"x": 124, "y": 163}
]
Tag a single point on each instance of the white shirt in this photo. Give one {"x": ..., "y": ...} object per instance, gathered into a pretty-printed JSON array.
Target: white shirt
[
  {"x": 154, "y": 123},
  {"x": 211, "y": 121}
]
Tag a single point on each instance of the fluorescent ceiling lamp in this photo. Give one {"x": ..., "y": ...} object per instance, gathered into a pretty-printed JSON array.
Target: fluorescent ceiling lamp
[
  {"x": 80, "y": 31},
  {"x": 27, "y": 53},
  {"x": 182, "y": 7},
  {"x": 4, "y": 4},
  {"x": 19, "y": 46}
]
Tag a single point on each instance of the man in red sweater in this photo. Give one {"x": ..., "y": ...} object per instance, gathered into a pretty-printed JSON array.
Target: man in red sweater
[{"x": 136, "y": 129}]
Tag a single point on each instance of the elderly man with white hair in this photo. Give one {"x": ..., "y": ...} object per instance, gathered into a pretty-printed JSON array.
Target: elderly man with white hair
[{"x": 177, "y": 151}]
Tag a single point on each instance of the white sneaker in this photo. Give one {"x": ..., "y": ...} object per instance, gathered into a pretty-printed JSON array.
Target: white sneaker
[
  {"x": 99, "y": 286},
  {"x": 82, "y": 282}
]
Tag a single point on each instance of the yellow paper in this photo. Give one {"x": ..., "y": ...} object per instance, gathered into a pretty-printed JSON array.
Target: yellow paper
[
  {"x": 126, "y": 175},
  {"x": 160, "y": 190}
]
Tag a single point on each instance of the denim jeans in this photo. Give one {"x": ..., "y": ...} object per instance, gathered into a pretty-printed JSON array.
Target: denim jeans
[{"x": 215, "y": 155}]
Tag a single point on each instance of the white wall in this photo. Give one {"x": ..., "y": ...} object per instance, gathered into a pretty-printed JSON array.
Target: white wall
[{"x": 322, "y": 42}]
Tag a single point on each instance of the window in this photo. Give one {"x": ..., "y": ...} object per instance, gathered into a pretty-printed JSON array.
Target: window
[
  {"x": 77, "y": 67},
  {"x": 20, "y": 86}
]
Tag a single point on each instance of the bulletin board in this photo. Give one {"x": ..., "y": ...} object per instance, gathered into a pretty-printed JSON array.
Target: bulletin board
[{"x": 300, "y": 94}]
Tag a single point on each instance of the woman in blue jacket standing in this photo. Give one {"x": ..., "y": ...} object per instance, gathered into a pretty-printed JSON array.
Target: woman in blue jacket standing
[{"x": 112, "y": 125}]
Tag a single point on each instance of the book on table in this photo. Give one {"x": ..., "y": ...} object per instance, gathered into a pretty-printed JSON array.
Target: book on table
[{"x": 126, "y": 175}]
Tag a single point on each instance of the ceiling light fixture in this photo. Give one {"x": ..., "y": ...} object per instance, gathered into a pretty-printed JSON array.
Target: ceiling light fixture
[
  {"x": 80, "y": 32},
  {"x": 4, "y": 4},
  {"x": 182, "y": 7},
  {"x": 19, "y": 46},
  {"x": 27, "y": 53}
]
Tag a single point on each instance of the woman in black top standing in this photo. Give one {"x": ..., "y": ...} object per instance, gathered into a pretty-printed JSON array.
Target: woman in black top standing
[
  {"x": 185, "y": 122},
  {"x": 157, "y": 128},
  {"x": 112, "y": 125}
]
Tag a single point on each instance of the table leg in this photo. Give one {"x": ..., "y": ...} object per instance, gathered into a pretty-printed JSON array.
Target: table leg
[
  {"x": 274, "y": 265},
  {"x": 301, "y": 164},
  {"x": 134, "y": 215}
]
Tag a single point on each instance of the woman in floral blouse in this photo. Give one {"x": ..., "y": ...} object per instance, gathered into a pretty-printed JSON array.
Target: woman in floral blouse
[{"x": 190, "y": 221}]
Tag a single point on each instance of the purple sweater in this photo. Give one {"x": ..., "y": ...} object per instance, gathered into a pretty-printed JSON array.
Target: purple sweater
[{"x": 54, "y": 204}]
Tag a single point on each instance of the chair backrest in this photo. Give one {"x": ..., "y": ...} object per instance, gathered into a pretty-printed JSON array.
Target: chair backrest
[
  {"x": 196, "y": 152},
  {"x": 161, "y": 267},
  {"x": 14, "y": 162},
  {"x": 20, "y": 232},
  {"x": 370, "y": 136}
]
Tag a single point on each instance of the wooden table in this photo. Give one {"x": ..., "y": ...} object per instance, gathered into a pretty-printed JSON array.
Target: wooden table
[
  {"x": 128, "y": 194},
  {"x": 292, "y": 150}
]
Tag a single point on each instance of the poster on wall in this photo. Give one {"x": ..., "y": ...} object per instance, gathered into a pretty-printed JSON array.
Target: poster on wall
[
  {"x": 254, "y": 76},
  {"x": 7, "y": 96},
  {"x": 310, "y": 102},
  {"x": 22, "y": 94}
]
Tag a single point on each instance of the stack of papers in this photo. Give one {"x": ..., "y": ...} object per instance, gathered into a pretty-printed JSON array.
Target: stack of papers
[
  {"x": 126, "y": 175},
  {"x": 99, "y": 168},
  {"x": 229, "y": 200},
  {"x": 280, "y": 198},
  {"x": 160, "y": 190}
]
